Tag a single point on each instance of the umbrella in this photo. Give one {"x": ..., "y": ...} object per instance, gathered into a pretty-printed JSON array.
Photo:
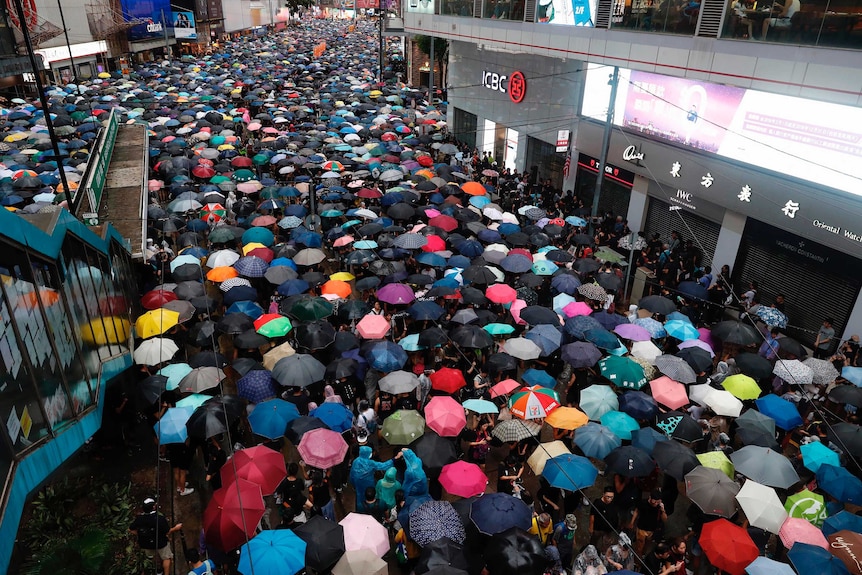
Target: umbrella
[
  {"x": 647, "y": 438},
  {"x": 270, "y": 418},
  {"x": 298, "y": 370},
  {"x": 232, "y": 515},
  {"x": 761, "y": 506},
  {"x": 322, "y": 448},
  {"x": 442, "y": 556},
  {"x": 483, "y": 406},
  {"x": 512, "y": 430},
  {"x": 171, "y": 428},
  {"x": 639, "y": 405},
  {"x": 753, "y": 365},
  {"x": 544, "y": 452},
  {"x": 445, "y": 416},
  {"x": 679, "y": 426},
  {"x": 632, "y": 332},
  {"x": 298, "y": 427},
  {"x": 842, "y": 520},
  {"x": 596, "y": 400},
  {"x": 534, "y": 402},
  {"x": 522, "y": 348},
  {"x": 570, "y": 472},
  {"x": 621, "y": 424},
  {"x": 623, "y": 372},
  {"x": 335, "y": 415},
  {"x": 630, "y": 461},
  {"x": 676, "y": 368},
  {"x": 848, "y": 436},
  {"x": 462, "y": 479},
  {"x": 155, "y": 322},
  {"x": 260, "y": 465},
  {"x": 398, "y": 382},
  {"x": 657, "y": 304},
  {"x": 681, "y": 330},
  {"x": 843, "y": 545},
  {"x": 273, "y": 552},
  {"x": 732, "y": 331},
  {"x": 364, "y": 532},
  {"x": 741, "y": 386},
  {"x": 771, "y": 316},
  {"x": 796, "y": 530},
  {"x": 712, "y": 490},
  {"x": 784, "y": 412},
  {"x": 434, "y": 520},
  {"x": 674, "y": 458},
  {"x": 200, "y": 379},
  {"x": 717, "y": 460},
  {"x": 434, "y": 451},
  {"x": 447, "y": 380},
  {"x": 566, "y": 418},
  {"x": 373, "y": 327},
  {"x": 808, "y": 506},
  {"x": 764, "y": 466},
  {"x": 793, "y": 371},
  {"x": 807, "y": 558},
  {"x": 853, "y": 375},
  {"x": 596, "y": 441},
  {"x": 815, "y": 454},
  {"x": 155, "y": 351},
  {"x": 496, "y": 512},
  {"x": 403, "y": 427},
  {"x": 699, "y": 359},
  {"x": 324, "y": 542},
  {"x": 839, "y": 483},
  {"x": 360, "y": 562},
  {"x": 669, "y": 392},
  {"x": 823, "y": 372},
  {"x": 515, "y": 552},
  {"x": 766, "y": 566},
  {"x": 385, "y": 356},
  {"x": 728, "y": 546}
]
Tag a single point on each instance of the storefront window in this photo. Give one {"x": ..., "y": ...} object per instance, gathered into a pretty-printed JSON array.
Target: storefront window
[
  {"x": 503, "y": 9},
  {"x": 456, "y": 7},
  {"x": 548, "y": 163},
  {"x": 818, "y": 23},
  {"x": 667, "y": 16},
  {"x": 464, "y": 127}
]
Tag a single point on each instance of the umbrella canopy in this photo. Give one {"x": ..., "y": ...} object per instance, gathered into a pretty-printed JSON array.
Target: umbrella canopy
[
  {"x": 785, "y": 413},
  {"x": 844, "y": 546},
  {"x": 566, "y": 418},
  {"x": 322, "y": 448},
  {"x": 261, "y": 465},
  {"x": 674, "y": 458},
  {"x": 596, "y": 400},
  {"x": 534, "y": 402},
  {"x": 668, "y": 392},
  {"x": 544, "y": 452},
  {"x": 796, "y": 530},
  {"x": 360, "y": 562},
  {"x": 273, "y": 552},
  {"x": 434, "y": 520},
  {"x": 596, "y": 440},
  {"x": 270, "y": 418},
  {"x": 808, "y": 558},
  {"x": 463, "y": 479},
  {"x": 807, "y": 505},
  {"x": 496, "y": 512},
  {"x": 324, "y": 542},
  {"x": 403, "y": 427},
  {"x": 712, "y": 490},
  {"x": 364, "y": 532},
  {"x": 232, "y": 515},
  {"x": 623, "y": 372},
  {"x": 570, "y": 472},
  {"x": 761, "y": 505},
  {"x": 765, "y": 466},
  {"x": 839, "y": 483},
  {"x": 728, "y": 546},
  {"x": 445, "y": 416},
  {"x": 630, "y": 461},
  {"x": 515, "y": 552}
]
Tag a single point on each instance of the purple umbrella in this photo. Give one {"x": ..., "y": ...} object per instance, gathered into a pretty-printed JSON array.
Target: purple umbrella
[
  {"x": 632, "y": 332},
  {"x": 696, "y": 343},
  {"x": 396, "y": 294}
]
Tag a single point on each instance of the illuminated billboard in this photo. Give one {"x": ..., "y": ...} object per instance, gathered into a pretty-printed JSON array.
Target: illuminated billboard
[
  {"x": 815, "y": 141},
  {"x": 567, "y": 12}
]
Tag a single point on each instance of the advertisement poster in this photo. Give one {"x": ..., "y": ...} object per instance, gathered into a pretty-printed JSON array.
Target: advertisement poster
[
  {"x": 184, "y": 25},
  {"x": 154, "y": 12},
  {"x": 567, "y": 12}
]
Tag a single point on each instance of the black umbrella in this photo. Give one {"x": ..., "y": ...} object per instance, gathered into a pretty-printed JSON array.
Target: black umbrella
[
  {"x": 434, "y": 451},
  {"x": 849, "y": 394},
  {"x": 732, "y": 331},
  {"x": 630, "y": 461},
  {"x": 609, "y": 281},
  {"x": 500, "y": 362},
  {"x": 324, "y": 542},
  {"x": 243, "y": 365},
  {"x": 657, "y": 304},
  {"x": 699, "y": 359},
  {"x": 152, "y": 388},
  {"x": 249, "y": 339},
  {"x": 693, "y": 290},
  {"x": 848, "y": 437},
  {"x": 341, "y": 367},
  {"x": 205, "y": 423},
  {"x": 186, "y": 272},
  {"x": 189, "y": 289},
  {"x": 353, "y": 309},
  {"x": 473, "y": 296},
  {"x": 471, "y": 336},
  {"x": 790, "y": 347},
  {"x": 433, "y": 336},
  {"x": 441, "y": 554},
  {"x": 679, "y": 426},
  {"x": 202, "y": 334},
  {"x": 315, "y": 335},
  {"x": 536, "y": 314},
  {"x": 674, "y": 458},
  {"x": 232, "y": 405},
  {"x": 204, "y": 304},
  {"x": 370, "y": 282},
  {"x": 757, "y": 436},
  {"x": 208, "y": 359},
  {"x": 753, "y": 365},
  {"x": 345, "y": 340},
  {"x": 586, "y": 265},
  {"x": 515, "y": 552},
  {"x": 302, "y": 425},
  {"x": 479, "y": 275},
  {"x": 235, "y": 323}
]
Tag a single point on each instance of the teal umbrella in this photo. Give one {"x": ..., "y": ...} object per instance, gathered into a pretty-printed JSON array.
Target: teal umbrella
[
  {"x": 596, "y": 400},
  {"x": 623, "y": 372},
  {"x": 499, "y": 328},
  {"x": 621, "y": 424},
  {"x": 596, "y": 441}
]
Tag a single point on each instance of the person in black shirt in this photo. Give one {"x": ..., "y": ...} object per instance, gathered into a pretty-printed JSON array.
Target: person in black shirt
[
  {"x": 604, "y": 515},
  {"x": 152, "y": 531},
  {"x": 658, "y": 561},
  {"x": 646, "y": 518}
]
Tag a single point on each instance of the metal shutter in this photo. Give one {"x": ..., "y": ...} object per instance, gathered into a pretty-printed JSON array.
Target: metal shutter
[
  {"x": 603, "y": 14},
  {"x": 530, "y": 11},
  {"x": 710, "y": 18},
  {"x": 662, "y": 220},
  {"x": 812, "y": 292}
]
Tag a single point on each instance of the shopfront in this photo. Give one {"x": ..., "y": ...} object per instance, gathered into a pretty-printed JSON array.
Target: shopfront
[
  {"x": 516, "y": 110},
  {"x": 616, "y": 185}
]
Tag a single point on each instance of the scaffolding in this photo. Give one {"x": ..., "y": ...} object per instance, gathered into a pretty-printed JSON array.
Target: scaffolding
[
  {"x": 40, "y": 31},
  {"x": 105, "y": 21}
]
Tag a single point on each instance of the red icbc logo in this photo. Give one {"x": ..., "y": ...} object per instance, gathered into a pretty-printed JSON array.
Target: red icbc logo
[{"x": 515, "y": 85}]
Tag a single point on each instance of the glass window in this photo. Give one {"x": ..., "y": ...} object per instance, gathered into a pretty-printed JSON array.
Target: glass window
[
  {"x": 667, "y": 16},
  {"x": 818, "y": 22},
  {"x": 456, "y": 7},
  {"x": 503, "y": 9}
]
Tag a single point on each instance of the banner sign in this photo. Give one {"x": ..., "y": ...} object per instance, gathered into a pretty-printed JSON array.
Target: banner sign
[{"x": 184, "y": 25}]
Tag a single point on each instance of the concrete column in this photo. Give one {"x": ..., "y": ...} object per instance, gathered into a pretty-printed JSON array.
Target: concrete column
[
  {"x": 638, "y": 204},
  {"x": 729, "y": 239}
]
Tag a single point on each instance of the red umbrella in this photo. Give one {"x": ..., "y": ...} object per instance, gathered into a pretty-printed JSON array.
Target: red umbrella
[
  {"x": 463, "y": 479},
  {"x": 241, "y": 162},
  {"x": 203, "y": 172},
  {"x": 260, "y": 465},
  {"x": 263, "y": 221},
  {"x": 501, "y": 293},
  {"x": 444, "y": 222},
  {"x": 322, "y": 448},
  {"x": 232, "y": 515},
  {"x": 435, "y": 244},
  {"x": 265, "y": 254},
  {"x": 154, "y": 299},
  {"x": 373, "y": 326},
  {"x": 445, "y": 416},
  {"x": 447, "y": 379},
  {"x": 425, "y": 161},
  {"x": 369, "y": 193},
  {"x": 505, "y": 387},
  {"x": 728, "y": 546}
]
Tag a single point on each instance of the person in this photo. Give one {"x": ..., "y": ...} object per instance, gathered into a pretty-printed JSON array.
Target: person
[
  {"x": 541, "y": 527},
  {"x": 180, "y": 457},
  {"x": 215, "y": 459},
  {"x": 509, "y": 474},
  {"x": 362, "y": 470},
  {"x": 182, "y": 21},
  {"x": 619, "y": 556},
  {"x": 152, "y": 531},
  {"x": 589, "y": 562},
  {"x": 370, "y": 505},
  {"x": 658, "y": 560},
  {"x": 646, "y": 519},
  {"x": 748, "y": 296},
  {"x": 769, "y": 348},
  {"x": 848, "y": 353},
  {"x": 678, "y": 556},
  {"x": 320, "y": 496},
  {"x": 604, "y": 515},
  {"x": 783, "y": 19},
  {"x": 415, "y": 484},
  {"x": 564, "y": 538},
  {"x": 329, "y": 395},
  {"x": 366, "y": 418},
  {"x": 823, "y": 342},
  {"x": 387, "y": 487},
  {"x": 198, "y": 567}
]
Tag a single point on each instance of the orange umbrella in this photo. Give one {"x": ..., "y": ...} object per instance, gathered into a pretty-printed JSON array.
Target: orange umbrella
[
  {"x": 474, "y": 188},
  {"x": 567, "y": 418},
  {"x": 336, "y": 287},
  {"x": 221, "y": 274}
]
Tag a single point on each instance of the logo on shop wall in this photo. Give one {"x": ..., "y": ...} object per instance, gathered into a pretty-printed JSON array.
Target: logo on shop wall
[
  {"x": 31, "y": 14},
  {"x": 633, "y": 154},
  {"x": 515, "y": 85}
]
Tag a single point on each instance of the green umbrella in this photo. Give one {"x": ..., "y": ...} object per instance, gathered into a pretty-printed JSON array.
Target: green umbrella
[
  {"x": 277, "y": 327},
  {"x": 623, "y": 372},
  {"x": 807, "y": 505},
  {"x": 218, "y": 179},
  {"x": 311, "y": 309},
  {"x": 244, "y": 175},
  {"x": 717, "y": 460},
  {"x": 499, "y": 328},
  {"x": 221, "y": 235},
  {"x": 260, "y": 159},
  {"x": 403, "y": 427}
]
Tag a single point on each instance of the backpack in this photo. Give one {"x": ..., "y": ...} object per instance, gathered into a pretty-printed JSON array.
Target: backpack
[{"x": 370, "y": 424}]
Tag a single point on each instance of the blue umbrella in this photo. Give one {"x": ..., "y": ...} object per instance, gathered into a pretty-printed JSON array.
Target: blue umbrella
[
  {"x": 813, "y": 559},
  {"x": 681, "y": 330},
  {"x": 470, "y": 248},
  {"x": 565, "y": 283},
  {"x": 256, "y": 386},
  {"x": 538, "y": 377},
  {"x": 425, "y": 310},
  {"x": 578, "y": 325},
  {"x": 434, "y": 520},
  {"x": 596, "y": 400},
  {"x": 516, "y": 263},
  {"x": 654, "y": 327},
  {"x": 175, "y": 372},
  {"x": 249, "y": 308},
  {"x": 621, "y": 424},
  {"x": 646, "y": 438},
  {"x": 480, "y": 406},
  {"x": 570, "y": 472},
  {"x": 270, "y": 418},
  {"x": 544, "y": 268},
  {"x": 546, "y": 336},
  {"x": 766, "y": 566},
  {"x": 335, "y": 415},
  {"x": 853, "y": 375},
  {"x": 385, "y": 356},
  {"x": 638, "y": 404},
  {"x": 608, "y": 320},
  {"x": 602, "y": 338},
  {"x": 784, "y": 413},
  {"x": 815, "y": 454},
  {"x": 496, "y": 512},
  {"x": 596, "y": 440},
  {"x": 293, "y": 287},
  {"x": 839, "y": 483},
  {"x": 840, "y": 521},
  {"x": 258, "y": 235},
  {"x": 771, "y": 316},
  {"x": 171, "y": 428},
  {"x": 431, "y": 259},
  {"x": 273, "y": 552}
]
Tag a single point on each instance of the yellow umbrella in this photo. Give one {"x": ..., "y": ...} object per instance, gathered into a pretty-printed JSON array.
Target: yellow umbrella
[
  {"x": 251, "y": 246},
  {"x": 342, "y": 276},
  {"x": 15, "y": 136},
  {"x": 544, "y": 452},
  {"x": 156, "y": 322},
  {"x": 567, "y": 418},
  {"x": 105, "y": 331},
  {"x": 742, "y": 386},
  {"x": 104, "y": 75},
  {"x": 224, "y": 147},
  {"x": 717, "y": 460}
]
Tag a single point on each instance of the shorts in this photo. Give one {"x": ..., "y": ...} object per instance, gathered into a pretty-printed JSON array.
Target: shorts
[
  {"x": 780, "y": 22},
  {"x": 165, "y": 552}
]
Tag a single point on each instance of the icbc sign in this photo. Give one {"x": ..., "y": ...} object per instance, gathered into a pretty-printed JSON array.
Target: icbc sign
[{"x": 514, "y": 85}]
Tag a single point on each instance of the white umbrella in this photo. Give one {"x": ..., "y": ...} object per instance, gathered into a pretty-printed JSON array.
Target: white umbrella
[
  {"x": 522, "y": 348},
  {"x": 762, "y": 506},
  {"x": 543, "y": 453},
  {"x": 793, "y": 371},
  {"x": 646, "y": 350},
  {"x": 723, "y": 402},
  {"x": 155, "y": 351}
]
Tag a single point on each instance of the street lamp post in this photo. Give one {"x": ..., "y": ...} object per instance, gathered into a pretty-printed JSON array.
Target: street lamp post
[{"x": 606, "y": 142}]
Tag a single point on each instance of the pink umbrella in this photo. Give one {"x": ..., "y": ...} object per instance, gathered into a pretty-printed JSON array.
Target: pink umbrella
[
  {"x": 505, "y": 387},
  {"x": 396, "y": 294},
  {"x": 669, "y": 392},
  {"x": 343, "y": 241},
  {"x": 515, "y": 310},
  {"x": 463, "y": 479},
  {"x": 632, "y": 332},
  {"x": 797, "y": 530},
  {"x": 445, "y": 416},
  {"x": 696, "y": 343},
  {"x": 364, "y": 532},
  {"x": 322, "y": 448},
  {"x": 501, "y": 293},
  {"x": 373, "y": 326},
  {"x": 577, "y": 308},
  {"x": 706, "y": 336}
]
